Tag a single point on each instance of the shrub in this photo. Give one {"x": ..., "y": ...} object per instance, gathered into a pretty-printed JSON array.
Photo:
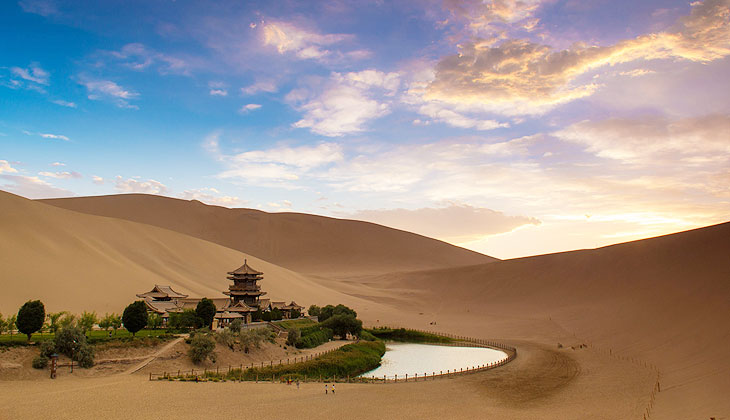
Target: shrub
[
  {"x": 253, "y": 337},
  {"x": 31, "y": 317},
  {"x": 53, "y": 320},
  {"x": 276, "y": 314},
  {"x": 48, "y": 348},
  {"x": 365, "y": 335},
  {"x": 402, "y": 334},
  {"x": 313, "y": 310},
  {"x": 293, "y": 336},
  {"x": 87, "y": 320},
  {"x": 206, "y": 312},
  {"x": 226, "y": 337},
  {"x": 295, "y": 313},
  {"x": 314, "y": 338},
  {"x": 201, "y": 348},
  {"x": 135, "y": 316},
  {"x": 72, "y": 342},
  {"x": 40, "y": 362}
]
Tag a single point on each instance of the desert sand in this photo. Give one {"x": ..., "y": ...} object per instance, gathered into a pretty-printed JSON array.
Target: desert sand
[{"x": 658, "y": 306}]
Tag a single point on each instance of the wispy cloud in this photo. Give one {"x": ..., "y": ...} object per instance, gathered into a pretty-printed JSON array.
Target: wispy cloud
[
  {"x": 33, "y": 74},
  {"x": 212, "y": 196},
  {"x": 109, "y": 90},
  {"x": 137, "y": 56},
  {"x": 54, "y": 136},
  {"x": 64, "y": 103},
  {"x": 32, "y": 187},
  {"x": 286, "y": 37},
  {"x": 6, "y": 168},
  {"x": 248, "y": 108},
  {"x": 39, "y": 7},
  {"x": 268, "y": 86},
  {"x": 61, "y": 175}
]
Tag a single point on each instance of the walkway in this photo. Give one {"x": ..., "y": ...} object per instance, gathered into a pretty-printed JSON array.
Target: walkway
[{"x": 152, "y": 357}]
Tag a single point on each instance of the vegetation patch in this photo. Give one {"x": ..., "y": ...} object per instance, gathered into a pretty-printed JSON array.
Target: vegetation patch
[
  {"x": 295, "y": 323},
  {"x": 408, "y": 336}
]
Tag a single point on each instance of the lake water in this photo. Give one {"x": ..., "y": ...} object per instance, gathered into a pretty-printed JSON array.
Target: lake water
[{"x": 408, "y": 358}]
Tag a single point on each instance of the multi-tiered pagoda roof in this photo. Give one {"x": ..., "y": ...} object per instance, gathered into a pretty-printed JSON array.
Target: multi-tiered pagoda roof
[{"x": 245, "y": 287}]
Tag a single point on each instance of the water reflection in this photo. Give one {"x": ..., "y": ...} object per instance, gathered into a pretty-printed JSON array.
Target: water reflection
[{"x": 408, "y": 358}]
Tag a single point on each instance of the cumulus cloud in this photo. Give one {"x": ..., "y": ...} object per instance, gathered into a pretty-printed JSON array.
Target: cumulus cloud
[
  {"x": 108, "y": 90},
  {"x": 212, "y": 196},
  {"x": 6, "y": 168},
  {"x": 483, "y": 16},
  {"x": 97, "y": 180},
  {"x": 61, "y": 175},
  {"x": 518, "y": 77},
  {"x": 131, "y": 185},
  {"x": 31, "y": 187},
  {"x": 453, "y": 223},
  {"x": 346, "y": 102},
  {"x": 217, "y": 89}
]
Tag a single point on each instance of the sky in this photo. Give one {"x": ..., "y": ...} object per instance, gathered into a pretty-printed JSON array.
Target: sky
[{"x": 510, "y": 127}]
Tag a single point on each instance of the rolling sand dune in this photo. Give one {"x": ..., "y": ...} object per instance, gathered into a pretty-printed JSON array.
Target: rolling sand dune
[
  {"x": 664, "y": 300},
  {"x": 74, "y": 261},
  {"x": 659, "y": 302},
  {"x": 300, "y": 242}
]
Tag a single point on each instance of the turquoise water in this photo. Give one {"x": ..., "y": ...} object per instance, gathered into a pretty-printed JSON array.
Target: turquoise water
[{"x": 407, "y": 358}]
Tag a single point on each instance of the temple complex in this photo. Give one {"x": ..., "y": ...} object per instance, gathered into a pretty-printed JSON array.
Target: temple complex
[{"x": 242, "y": 301}]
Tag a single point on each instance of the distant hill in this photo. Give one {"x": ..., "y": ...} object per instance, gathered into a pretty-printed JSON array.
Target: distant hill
[
  {"x": 74, "y": 261},
  {"x": 664, "y": 299},
  {"x": 300, "y": 242}
]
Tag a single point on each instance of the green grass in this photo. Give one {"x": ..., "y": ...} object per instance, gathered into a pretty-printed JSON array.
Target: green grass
[
  {"x": 295, "y": 323},
  {"x": 96, "y": 336},
  {"x": 350, "y": 360},
  {"x": 409, "y": 336}
]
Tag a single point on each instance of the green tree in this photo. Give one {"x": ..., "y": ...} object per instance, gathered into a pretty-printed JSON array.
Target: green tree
[
  {"x": 201, "y": 348},
  {"x": 314, "y": 310},
  {"x": 106, "y": 321},
  {"x": 87, "y": 321},
  {"x": 185, "y": 319},
  {"x": 206, "y": 312},
  {"x": 236, "y": 325},
  {"x": 293, "y": 336},
  {"x": 341, "y": 325},
  {"x": 10, "y": 323},
  {"x": 135, "y": 316},
  {"x": 154, "y": 321},
  {"x": 68, "y": 321},
  {"x": 3, "y": 324},
  {"x": 53, "y": 320},
  {"x": 116, "y": 322},
  {"x": 295, "y": 313},
  {"x": 31, "y": 317},
  {"x": 276, "y": 314},
  {"x": 258, "y": 315}
]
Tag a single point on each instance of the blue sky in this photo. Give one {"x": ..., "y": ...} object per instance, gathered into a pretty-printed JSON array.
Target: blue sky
[{"x": 512, "y": 127}]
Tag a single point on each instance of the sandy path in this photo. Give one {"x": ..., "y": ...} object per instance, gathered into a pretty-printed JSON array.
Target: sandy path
[{"x": 152, "y": 357}]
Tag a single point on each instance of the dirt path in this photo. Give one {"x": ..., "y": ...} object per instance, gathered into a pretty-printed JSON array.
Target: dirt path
[{"x": 152, "y": 357}]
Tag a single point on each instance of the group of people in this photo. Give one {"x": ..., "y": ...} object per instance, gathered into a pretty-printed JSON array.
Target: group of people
[
  {"x": 326, "y": 386},
  {"x": 326, "y": 390}
]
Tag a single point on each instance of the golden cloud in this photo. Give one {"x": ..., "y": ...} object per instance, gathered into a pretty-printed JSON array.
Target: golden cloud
[{"x": 521, "y": 77}]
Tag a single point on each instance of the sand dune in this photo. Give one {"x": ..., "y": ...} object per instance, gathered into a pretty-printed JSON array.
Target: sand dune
[
  {"x": 664, "y": 300},
  {"x": 301, "y": 242},
  {"x": 74, "y": 261}
]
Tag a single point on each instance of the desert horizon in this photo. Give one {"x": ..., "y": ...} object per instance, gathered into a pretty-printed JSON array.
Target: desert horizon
[{"x": 439, "y": 209}]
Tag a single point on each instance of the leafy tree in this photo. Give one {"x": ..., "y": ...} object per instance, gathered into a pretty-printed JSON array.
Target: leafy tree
[
  {"x": 10, "y": 323},
  {"x": 68, "y": 321},
  {"x": 154, "y": 321},
  {"x": 201, "y": 348},
  {"x": 87, "y": 321},
  {"x": 106, "y": 321},
  {"x": 236, "y": 325},
  {"x": 329, "y": 310},
  {"x": 342, "y": 324},
  {"x": 314, "y": 310},
  {"x": 116, "y": 321},
  {"x": 135, "y": 316},
  {"x": 185, "y": 319},
  {"x": 276, "y": 314},
  {"x": 258, "y": 315},
  {"x": 53, "y": 320},
  {"x": 295, "y": 313},
  {"x": 31, "y": 317},
  {"x": 266, "y": 316},
  {"x": 3, "y": 324},
  {"x": 206, "y": 312}
]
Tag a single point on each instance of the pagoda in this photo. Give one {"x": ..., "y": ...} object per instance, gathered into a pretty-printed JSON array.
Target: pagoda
[{"x": 245, "y": 288}]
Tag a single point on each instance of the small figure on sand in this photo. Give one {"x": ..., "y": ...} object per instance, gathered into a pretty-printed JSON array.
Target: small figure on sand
[
  {"x": 333, "y": 387},
  {"x": 297, "y": 383},
  {"x": 326, "y": 390}
]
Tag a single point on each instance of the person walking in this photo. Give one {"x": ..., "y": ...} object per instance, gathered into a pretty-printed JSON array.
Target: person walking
[
  {"x": 333, "y": 387},
  {"x": 297, "y": 383},
  {"x": 326, "y": 390}
]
